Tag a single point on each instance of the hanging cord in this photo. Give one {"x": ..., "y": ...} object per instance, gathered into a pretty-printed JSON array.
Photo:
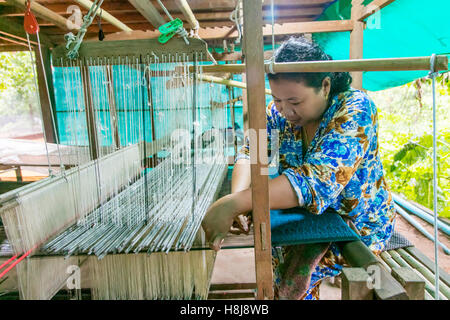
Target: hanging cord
[
  {"x": 31, "y": 27},
  {"x": 235, "y": 17},
  {"x": 433, "y": 74},
  {"x": 78, "y": 39}
]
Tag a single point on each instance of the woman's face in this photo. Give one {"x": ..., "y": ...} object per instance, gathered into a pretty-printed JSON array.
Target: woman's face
[{"x": 299, "y": 104}]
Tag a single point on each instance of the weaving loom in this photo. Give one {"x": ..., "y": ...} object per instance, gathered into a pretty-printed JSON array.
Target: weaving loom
[{"x": 114, "y": 211}]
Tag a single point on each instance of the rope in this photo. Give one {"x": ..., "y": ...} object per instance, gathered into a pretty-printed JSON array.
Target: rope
[
  {"x": 433, "y": 75},
  {"x": 78, "y": 39}
]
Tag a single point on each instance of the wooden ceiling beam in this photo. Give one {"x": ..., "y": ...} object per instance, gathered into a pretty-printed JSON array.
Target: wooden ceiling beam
[
  {"x": 373, "y": 7},
  {"x": 149, "y": 11},
  {"x": 46, "y": 14},
  {"x": 105, "y": 15},
  {"x": 184, "y": 7}
]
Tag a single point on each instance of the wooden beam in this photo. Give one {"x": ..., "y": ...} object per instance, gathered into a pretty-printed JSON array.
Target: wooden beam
[
  {"x": 14, "y": 41},
  {"x": 105, "y": 16},
  {"x": 47, "y": 102},
  {"x": 284, "y": 29},
  {"x": 44, "y": 13},
  {"x": 15, "y": 30},
  {"x": 354, "y": 284},
  {"x": 253, "y": 43},
  {"x": 184, "y": 7},
  {"x": 148, "y": 10},
  {"x": 356, "y": 40},
  {"x": 357, "y": 254},
  {"x": 12, "y": 48},
  {"x": 373, "y": 7},
  {"x": 90, "y": 113}
]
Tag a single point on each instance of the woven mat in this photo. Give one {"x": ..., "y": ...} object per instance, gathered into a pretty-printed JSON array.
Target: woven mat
[{"x": 397, "y": 241}]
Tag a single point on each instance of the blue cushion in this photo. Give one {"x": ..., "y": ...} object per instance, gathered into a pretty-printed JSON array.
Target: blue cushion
[{"x": 299, "y": 226}]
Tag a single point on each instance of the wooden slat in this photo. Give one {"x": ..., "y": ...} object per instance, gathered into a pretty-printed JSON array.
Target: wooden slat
[
  {"x": 15, "y": 30},
  {"x": 130, "y": 48},
  {"x": 372, "y": 7},
  {"x": 232, "y": 286},
  {"x": 254, "y": 53},
  {"x": 231, "y": 295}
]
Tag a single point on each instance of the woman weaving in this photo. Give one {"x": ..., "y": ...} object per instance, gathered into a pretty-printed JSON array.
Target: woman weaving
[{"x": 329, "y": 158}]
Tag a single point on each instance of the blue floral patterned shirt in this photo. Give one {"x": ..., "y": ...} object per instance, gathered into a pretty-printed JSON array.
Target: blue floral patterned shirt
[{"x": 341, "y": 168}]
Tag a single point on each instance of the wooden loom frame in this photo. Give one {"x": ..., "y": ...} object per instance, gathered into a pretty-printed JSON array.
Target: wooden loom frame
[{"x": 252, "y": 99}]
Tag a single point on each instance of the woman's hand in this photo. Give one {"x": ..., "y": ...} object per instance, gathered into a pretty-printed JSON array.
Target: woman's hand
[{"x": 219, "y": 219}]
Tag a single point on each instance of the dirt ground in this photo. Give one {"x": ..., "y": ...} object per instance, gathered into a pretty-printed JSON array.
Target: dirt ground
[{"x": 238, "y": 265}]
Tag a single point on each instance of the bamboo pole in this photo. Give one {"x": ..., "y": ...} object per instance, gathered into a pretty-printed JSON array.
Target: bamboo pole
[
  {"x": 381, "y": 64},
  {"x": 227, "y": 82},
  {"x": 106, "y": 16},
  {"x": 46, "y": 14},
  {"x": 184, "y": 7},
  {"x": 429, "y": 287},
  {"x": 393, "y": 264},
  {"x": 444, "y": 289}
]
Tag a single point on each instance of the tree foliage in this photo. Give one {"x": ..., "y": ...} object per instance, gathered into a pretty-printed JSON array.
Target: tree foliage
[{"x": 406, "y": 140}]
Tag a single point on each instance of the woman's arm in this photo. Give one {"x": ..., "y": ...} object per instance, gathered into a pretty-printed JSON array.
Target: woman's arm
[
  {"x": 240, "y": 179},
  {"x": 221, "y": 214}
]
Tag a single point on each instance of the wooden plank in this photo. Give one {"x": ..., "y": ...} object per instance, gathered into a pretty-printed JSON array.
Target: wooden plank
[
  {"x": 356, "y": 40},
  {"x": 253, "y": 44},
  {"x": 130, "y": 48},
  {"x": 354, "y": 284},
  {"x": 373, "y": 7},
  {"x": 231, "y": 295},
  {"x": 411, "y": 281},
  {"x": 46, "y": 94},
  {"x": 284, "y": 29},
  {"x": 232, "y": 286},
  {"x": 90, "y": 113}
]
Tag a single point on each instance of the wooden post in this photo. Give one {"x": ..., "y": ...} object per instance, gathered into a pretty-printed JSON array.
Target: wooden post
[
  {"x": 90, "y": 112},
  {"x": 411, "y": 281},
  {"x": 112, "y": 106},
  {"x": 356, "y": 40},
  {"x": 355, "y": 284},
  {"x": 255, "y": 79},
  {"x": 357, "y": 254},
  {"x": 244, "y": 104},
  {"x": 47, "y": 103}
]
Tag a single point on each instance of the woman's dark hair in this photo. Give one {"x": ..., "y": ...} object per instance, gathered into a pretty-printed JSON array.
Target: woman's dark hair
[{"x": 301, "y": 49}]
